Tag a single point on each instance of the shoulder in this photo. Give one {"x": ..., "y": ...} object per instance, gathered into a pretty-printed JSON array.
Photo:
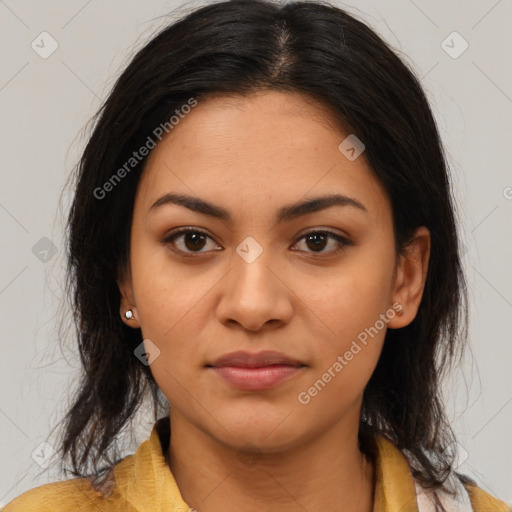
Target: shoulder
[
  {"x": 464, "y": 495},
  {"x": 76, "y": 495},
  {"x": 62, "y": 496},
  {"x": 482, "y": 501}
]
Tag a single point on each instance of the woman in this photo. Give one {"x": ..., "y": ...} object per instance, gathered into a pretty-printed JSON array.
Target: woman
[{"x": 263, "y": 232}]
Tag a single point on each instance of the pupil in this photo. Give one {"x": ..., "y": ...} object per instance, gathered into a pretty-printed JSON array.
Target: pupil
[
  {"x": 316, "y": 237},
  {"x": 196, "y": 240}
]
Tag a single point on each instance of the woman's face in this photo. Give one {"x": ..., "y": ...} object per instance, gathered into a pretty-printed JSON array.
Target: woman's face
[{"x": 252, "y": 280}]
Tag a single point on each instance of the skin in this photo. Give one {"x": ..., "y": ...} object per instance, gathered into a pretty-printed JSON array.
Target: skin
[{"x": 252, "y": 156}]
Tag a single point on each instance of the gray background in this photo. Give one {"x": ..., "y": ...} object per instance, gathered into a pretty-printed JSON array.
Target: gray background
[{"x": 45, "y": 102}]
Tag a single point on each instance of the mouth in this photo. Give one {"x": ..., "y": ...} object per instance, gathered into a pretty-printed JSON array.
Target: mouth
[
  {"x": 243, "y": 359},
  {"x": 253, "y": 372},
  {"x": 256, "y": 379}
]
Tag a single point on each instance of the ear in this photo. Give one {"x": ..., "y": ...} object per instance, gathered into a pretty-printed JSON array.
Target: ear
[
  {"x": 124, "y": 282},
  {"x": 410, "y": 278}
]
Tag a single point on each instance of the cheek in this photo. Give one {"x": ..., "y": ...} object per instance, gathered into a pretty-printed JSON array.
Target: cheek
[
  {"x": 350, "y": 298},
  {"x": 170, "y": 298},
  {"x": 347, "y": 353},
  {"x": 351, "y": 303},
  {"x": 172, "y": 309}
]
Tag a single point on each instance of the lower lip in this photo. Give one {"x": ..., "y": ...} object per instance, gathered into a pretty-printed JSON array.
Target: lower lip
[{"x": 253, "y": 379}]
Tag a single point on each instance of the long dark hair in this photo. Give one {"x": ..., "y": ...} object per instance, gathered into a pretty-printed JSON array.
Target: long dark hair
[{"x": 237, "y": 48}]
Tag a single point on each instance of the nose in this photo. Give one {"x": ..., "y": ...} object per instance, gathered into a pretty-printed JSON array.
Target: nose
[{"x": 254, "y": 295}]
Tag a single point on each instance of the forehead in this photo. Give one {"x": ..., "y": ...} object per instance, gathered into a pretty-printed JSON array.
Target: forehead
[{"x": 257, "y": 150}]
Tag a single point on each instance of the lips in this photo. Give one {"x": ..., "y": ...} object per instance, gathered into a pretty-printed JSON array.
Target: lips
[
  {"x": 242, "y": 359},
  {"x": 255, "y": 372}
]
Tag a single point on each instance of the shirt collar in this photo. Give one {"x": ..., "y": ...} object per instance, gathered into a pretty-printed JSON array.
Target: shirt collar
[
  {"x": 394, "y": 487},
  {"x": 145, "y": 481}
]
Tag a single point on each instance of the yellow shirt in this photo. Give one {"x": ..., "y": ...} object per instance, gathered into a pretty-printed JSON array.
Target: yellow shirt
[{"x": 144, "y": 483}]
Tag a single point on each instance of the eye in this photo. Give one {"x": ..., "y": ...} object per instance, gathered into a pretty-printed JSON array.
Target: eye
[
  {"x": 318, "y": 240},
  {"x": 192, "y": 240},
  {"x": 188, "y": 241}
]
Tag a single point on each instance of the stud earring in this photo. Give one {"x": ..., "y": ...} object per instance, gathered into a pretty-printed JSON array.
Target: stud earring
[
  {"x": 129, "y": 315},
  {"x": 400, "y": 312}
]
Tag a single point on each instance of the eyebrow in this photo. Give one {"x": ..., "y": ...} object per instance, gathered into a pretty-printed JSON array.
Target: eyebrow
[{"x": 285, "y": 213}]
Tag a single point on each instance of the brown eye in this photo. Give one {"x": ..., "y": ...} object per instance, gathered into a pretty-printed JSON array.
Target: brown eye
[
  {"x": 188, "y": 241},
  {"x": 317, "y": 241},
  {"x": 194, "y": 241}
]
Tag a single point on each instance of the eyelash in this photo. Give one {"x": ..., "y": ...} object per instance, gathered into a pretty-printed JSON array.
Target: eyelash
[{"x": 343, "y": 242}]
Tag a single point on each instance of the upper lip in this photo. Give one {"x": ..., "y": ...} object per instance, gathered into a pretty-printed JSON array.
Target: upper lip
[{"x": 260, "y": 359}]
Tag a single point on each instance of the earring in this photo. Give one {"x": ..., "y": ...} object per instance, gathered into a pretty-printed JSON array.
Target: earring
[
  {"x": 400, "y": 312},
  {"x": 129, "y": 315}
]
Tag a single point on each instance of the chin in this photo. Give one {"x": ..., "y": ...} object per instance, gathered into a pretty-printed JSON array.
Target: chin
[{"x": 266, "y": 432}]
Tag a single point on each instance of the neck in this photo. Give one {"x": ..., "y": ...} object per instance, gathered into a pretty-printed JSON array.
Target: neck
[{"x": 329, "y": 473}]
